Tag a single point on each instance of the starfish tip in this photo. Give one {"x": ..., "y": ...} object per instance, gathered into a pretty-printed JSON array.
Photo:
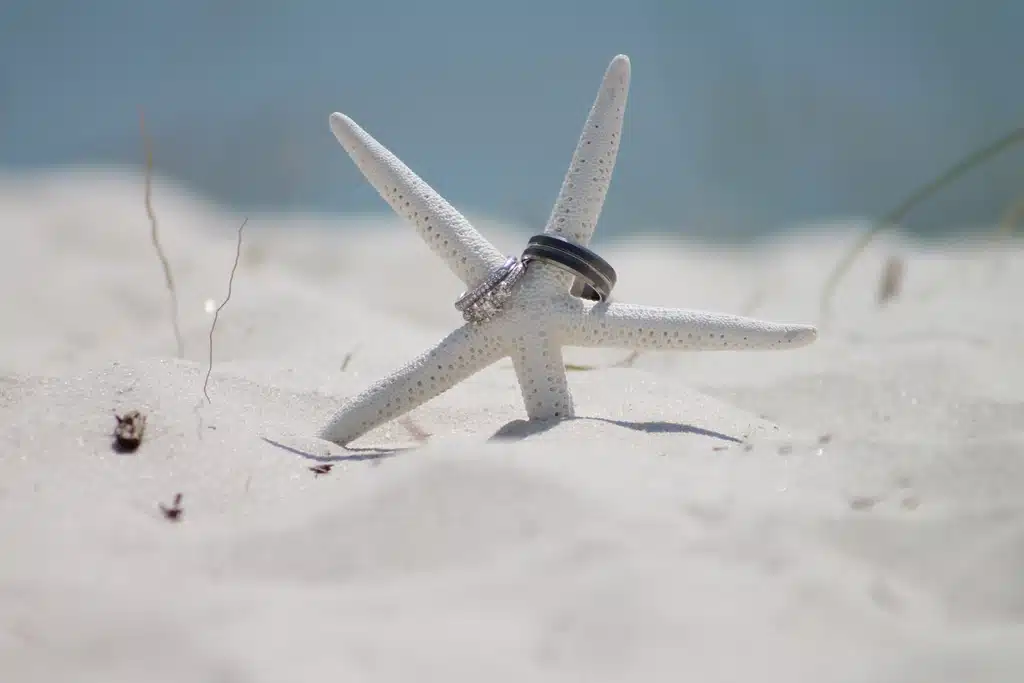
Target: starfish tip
[
  {"x": 802, "y": 335},
  {"x": 341, "y": 125}
]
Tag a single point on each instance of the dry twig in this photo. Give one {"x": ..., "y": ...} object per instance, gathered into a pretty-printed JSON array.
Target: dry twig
[
  {"x": 216, "y": 313},
  {"x": 128, "y": 433},
  {"x": 154, "y": 235},
  {"x": 173, "y": 512}
]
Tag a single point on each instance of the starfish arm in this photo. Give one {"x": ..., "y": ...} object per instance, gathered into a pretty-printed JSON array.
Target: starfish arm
[
  {"x": 537, "y": 359},
  {"x": 446, "y": 231},
  {"x": 627, "y": 326},
  {"x": 586, "y": 183},
  {"x": 461, "y": 354}
]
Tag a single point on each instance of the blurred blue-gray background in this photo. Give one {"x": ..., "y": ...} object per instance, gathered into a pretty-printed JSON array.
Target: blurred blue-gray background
[{"x": 745, "y": 116}]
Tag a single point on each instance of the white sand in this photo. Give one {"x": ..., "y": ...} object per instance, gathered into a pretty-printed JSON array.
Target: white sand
[{"x": 641, "y": 544}]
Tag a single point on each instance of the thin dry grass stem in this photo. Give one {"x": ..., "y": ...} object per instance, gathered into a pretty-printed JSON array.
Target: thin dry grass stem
[
  {"x": 216, "y": 313},
  {"x": 154, "y": 235},
  {"x": 576, "y": 367},
  {"x": 896, "y": 216},
  {"x": 626, "y": 362}
]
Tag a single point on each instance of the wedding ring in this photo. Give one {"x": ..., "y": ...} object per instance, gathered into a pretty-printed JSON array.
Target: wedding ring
[
  {"x": 483, "y": 302},
  {"x": 594, "y": 278}
]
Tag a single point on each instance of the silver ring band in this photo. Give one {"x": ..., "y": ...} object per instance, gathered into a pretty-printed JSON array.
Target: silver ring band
[{"x": 483, "y": 302}]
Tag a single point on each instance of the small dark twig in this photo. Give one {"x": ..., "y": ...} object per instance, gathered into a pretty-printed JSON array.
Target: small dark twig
[
  {"x": 216, "y": 313},
  {"x": 154, "y": 236},
  {"x": 174, "y": 511},
  {"x": 128, "y": 433},
  {"x": 321, "y": 469}
]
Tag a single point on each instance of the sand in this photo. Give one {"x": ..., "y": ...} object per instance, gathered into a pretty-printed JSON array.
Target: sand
[{"x": 846, "y": 512}]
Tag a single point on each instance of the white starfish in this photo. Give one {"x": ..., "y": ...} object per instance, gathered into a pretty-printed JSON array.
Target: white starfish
[{"x": 542, "y": 316}]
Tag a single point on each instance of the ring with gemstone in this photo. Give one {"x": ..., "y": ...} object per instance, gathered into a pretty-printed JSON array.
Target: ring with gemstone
[
  {"x": 594, "y": 278},
  {"x": 483, "y": 302}
]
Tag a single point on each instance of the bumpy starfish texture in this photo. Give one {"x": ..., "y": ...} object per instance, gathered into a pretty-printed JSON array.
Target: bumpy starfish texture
[{"x": 542, "y": 316}]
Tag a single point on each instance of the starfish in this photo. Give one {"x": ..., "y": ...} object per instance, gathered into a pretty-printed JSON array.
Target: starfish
[{"x": 541, "y": 316}]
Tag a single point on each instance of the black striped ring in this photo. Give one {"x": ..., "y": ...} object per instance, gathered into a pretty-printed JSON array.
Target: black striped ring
[{"x": 594, "y": 277}]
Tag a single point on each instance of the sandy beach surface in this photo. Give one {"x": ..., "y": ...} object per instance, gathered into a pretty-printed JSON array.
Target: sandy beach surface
[{"x": 850, "y": 511}]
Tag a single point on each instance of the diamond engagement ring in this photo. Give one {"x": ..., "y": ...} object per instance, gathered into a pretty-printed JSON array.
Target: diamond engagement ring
[{"x": 483, "y": 302}]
